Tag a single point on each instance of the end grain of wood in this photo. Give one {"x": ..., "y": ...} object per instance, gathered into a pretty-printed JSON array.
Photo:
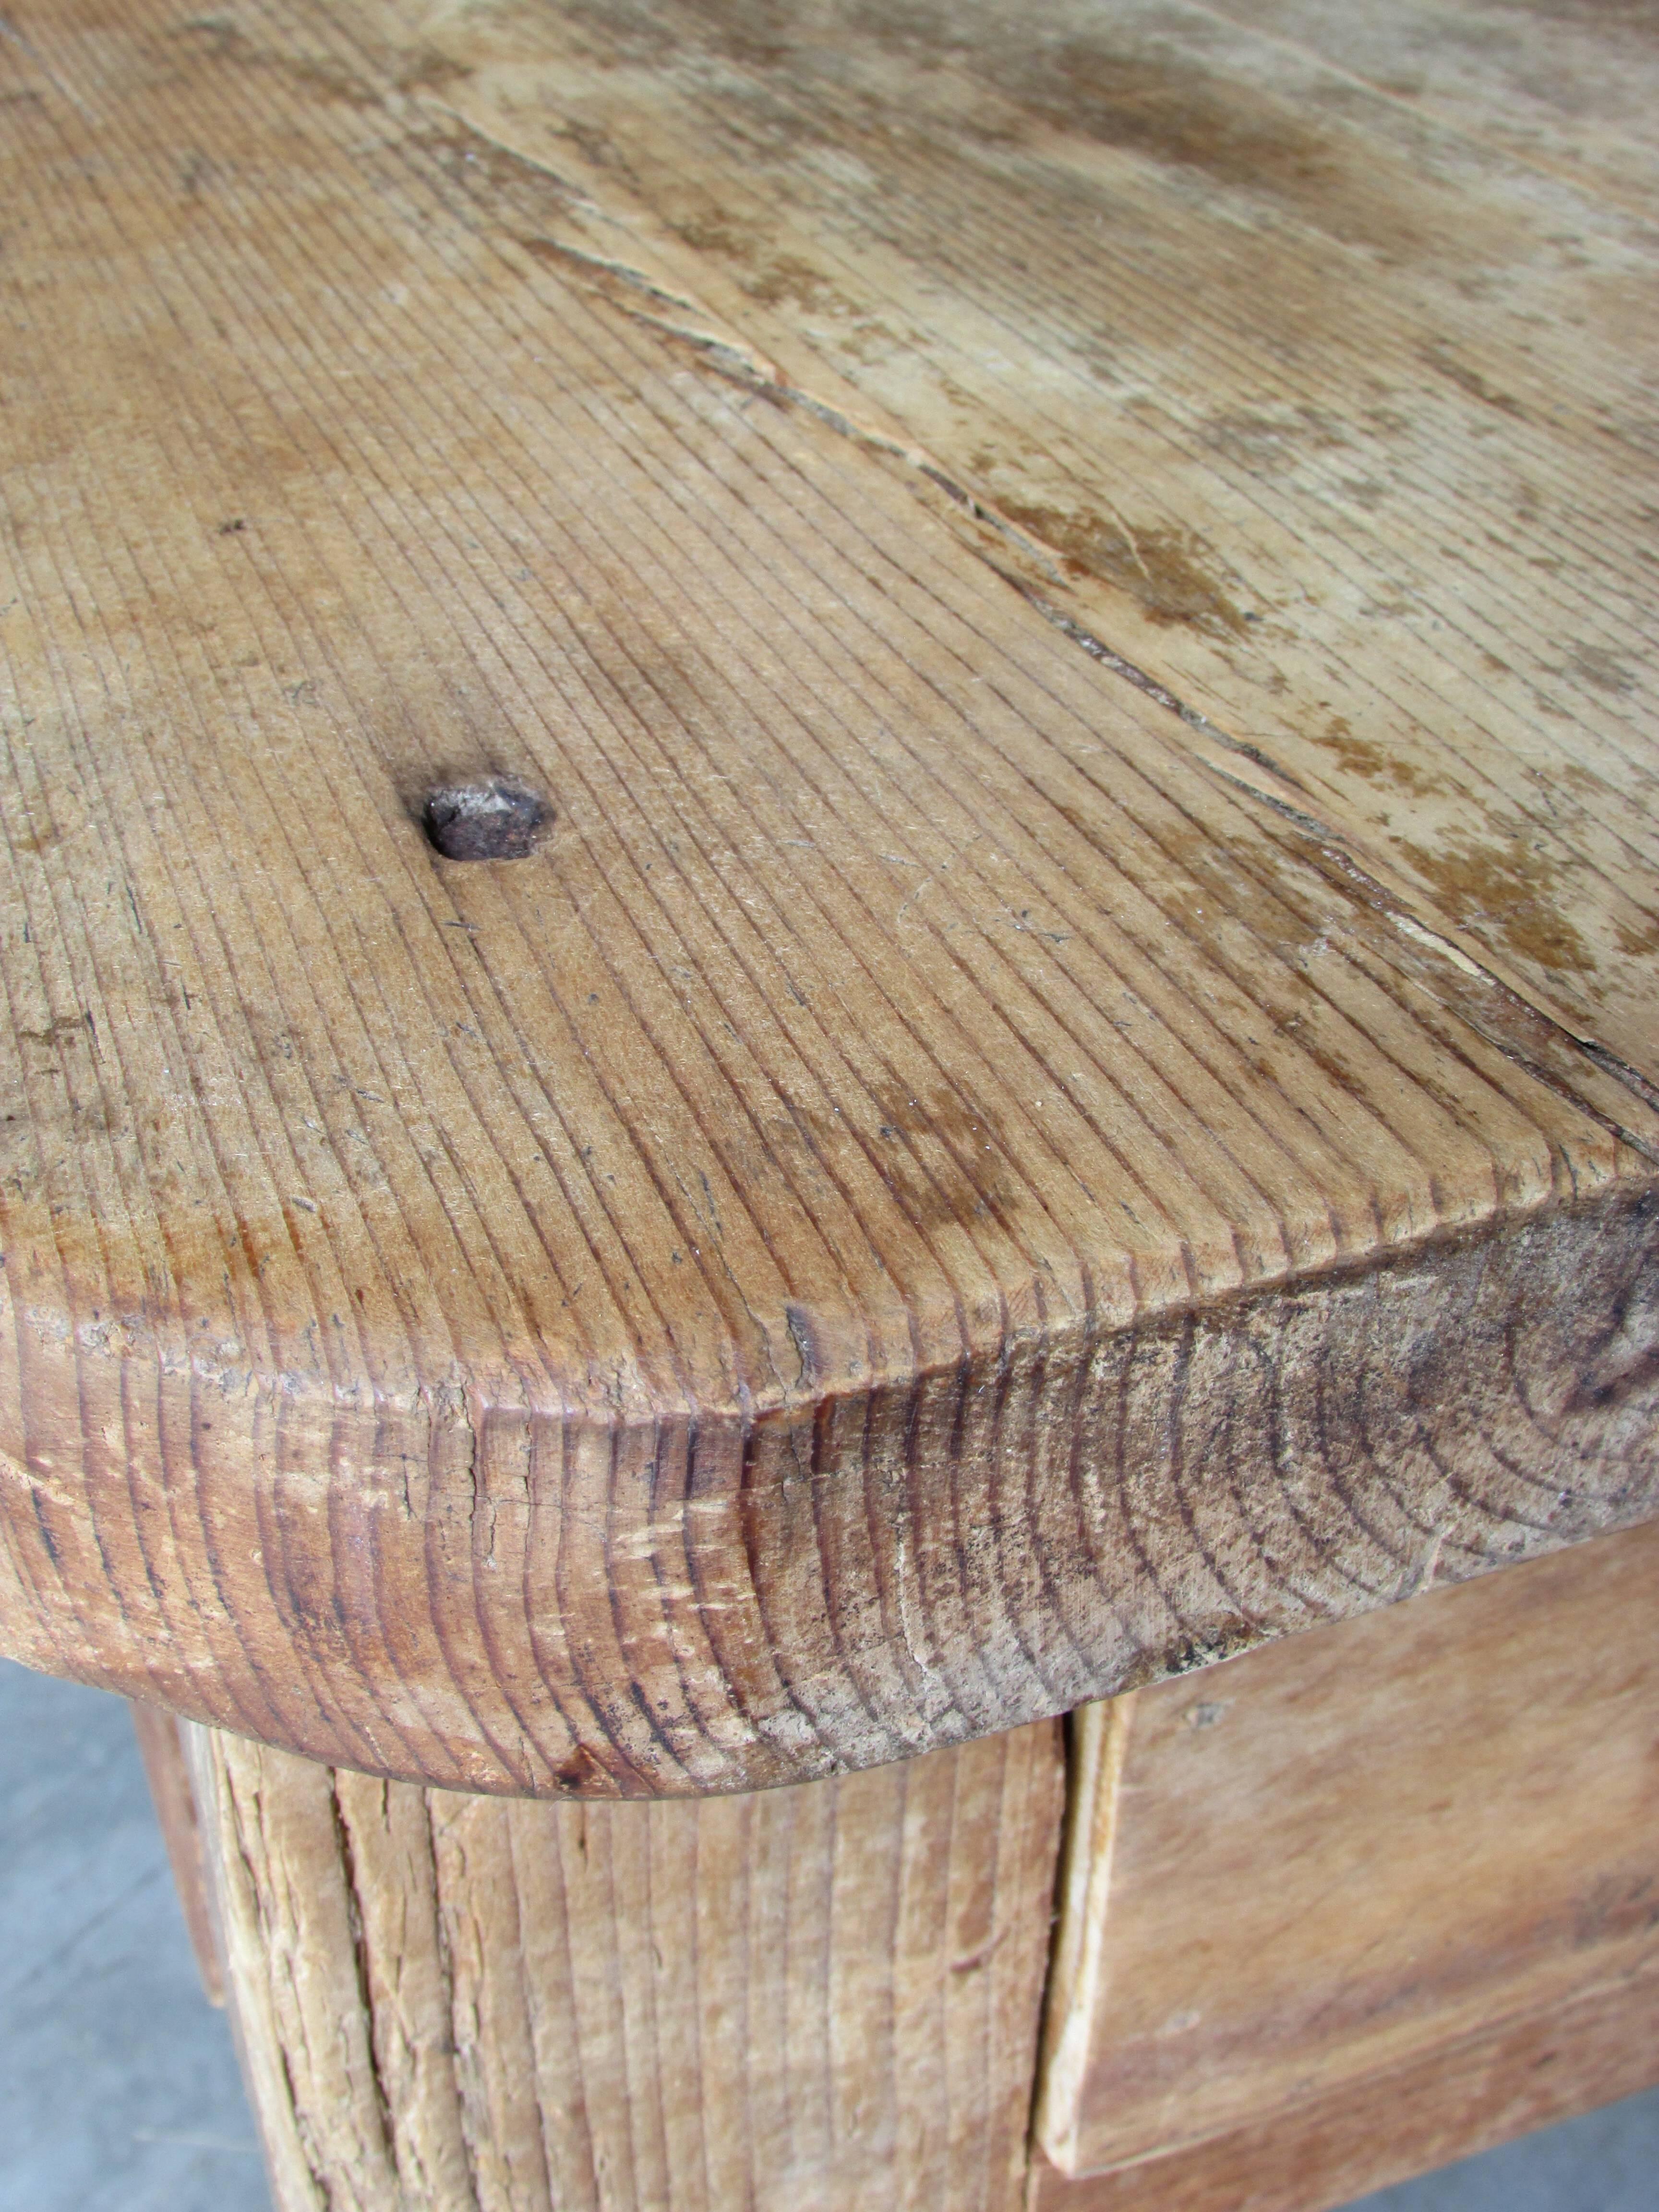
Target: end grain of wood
[{"x": 1074, "y": 1091}]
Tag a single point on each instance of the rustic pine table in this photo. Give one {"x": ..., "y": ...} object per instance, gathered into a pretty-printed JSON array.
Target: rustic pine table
[{"x": 829, "y": 914}]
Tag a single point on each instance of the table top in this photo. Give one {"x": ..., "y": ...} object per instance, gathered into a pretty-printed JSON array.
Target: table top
[{"x": 1062, "y": 1077}]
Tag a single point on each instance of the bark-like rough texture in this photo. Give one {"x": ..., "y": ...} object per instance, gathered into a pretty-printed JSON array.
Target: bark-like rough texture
[{"x": 816, "y": 2000}]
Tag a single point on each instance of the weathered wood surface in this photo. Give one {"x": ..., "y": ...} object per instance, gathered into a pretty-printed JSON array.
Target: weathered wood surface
[
  {"x": 161, "y": 1747},
  {"x": 1336, "y": 416},
  {"x": 813, "y": 2000},
  {"x": 1350, "y": 1888},
  {"x": 1572, "y": 89},
  {"x": 1448, "y": 2103},
  {"x": 945, "y": 1187}
]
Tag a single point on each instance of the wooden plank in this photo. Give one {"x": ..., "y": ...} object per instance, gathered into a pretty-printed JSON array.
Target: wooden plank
[
  {"x": 940, "y": 1190},
  {"x": 164, "y": 1769},
  {"x": 1426, "y": 1836},
  {"x": 810, "y": 2000},
  {"x": 1328, "y": 413},
  {"x": 1574, "y": 90},
  {"x": 1444, "y": 2104}
]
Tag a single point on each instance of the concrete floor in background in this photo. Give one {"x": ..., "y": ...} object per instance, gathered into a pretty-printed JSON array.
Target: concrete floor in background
[{"x": 118, "y": 2089}]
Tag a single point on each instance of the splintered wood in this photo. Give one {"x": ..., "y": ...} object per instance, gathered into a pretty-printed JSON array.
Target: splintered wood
[
  {"x": 1066, "y": 1083},
  {"x": 814, "y": 2000}
]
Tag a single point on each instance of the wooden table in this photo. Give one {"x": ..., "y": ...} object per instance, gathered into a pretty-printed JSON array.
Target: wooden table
[{"x": 1043, "y": 1073}]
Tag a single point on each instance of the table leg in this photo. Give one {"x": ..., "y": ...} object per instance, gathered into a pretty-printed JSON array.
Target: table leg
[
  {"x": 811, "y": 1999},
  {"x": 160, "y": 1745}
]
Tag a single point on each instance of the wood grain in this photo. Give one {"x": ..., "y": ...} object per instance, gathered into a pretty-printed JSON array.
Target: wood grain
[
  {"x": 1426, "y": 1836},
  {"x": 945, "y": 1187},
  {"x": 1570, "y": 90},
  {"x": 1448, "y": 2103},
  {"x": 1327, "y": 409},
  {"x": 810, "y": 2000}
]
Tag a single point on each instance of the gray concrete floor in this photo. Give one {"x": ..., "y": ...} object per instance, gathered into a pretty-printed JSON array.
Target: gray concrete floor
[{"x": 118, "y": 2090}]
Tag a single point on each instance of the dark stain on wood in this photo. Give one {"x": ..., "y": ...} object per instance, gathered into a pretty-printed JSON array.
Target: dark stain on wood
[
  {"x": 1513, "y": 890},
  {"x": 1162, "y": 568},
  {"x": 1376, "y": 762}
]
